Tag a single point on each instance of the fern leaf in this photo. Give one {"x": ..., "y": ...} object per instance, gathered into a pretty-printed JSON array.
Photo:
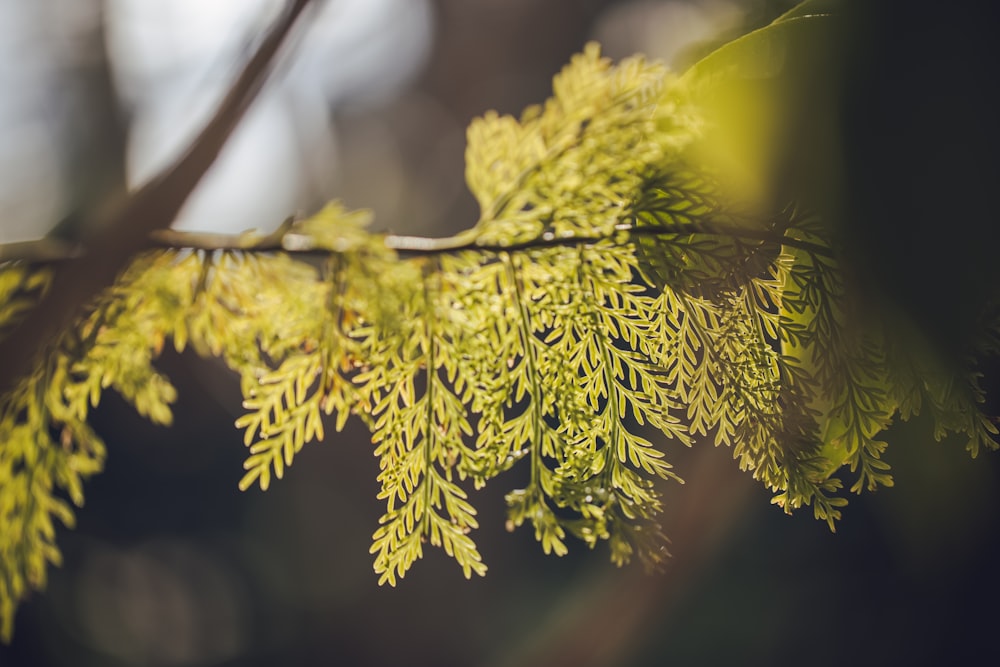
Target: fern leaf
[{"x": 21, "y": 287}]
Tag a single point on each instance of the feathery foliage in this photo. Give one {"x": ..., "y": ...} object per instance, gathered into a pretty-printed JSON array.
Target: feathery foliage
[
  {"x": 21, "y": 287},
  {"x": 613, "y": 301}
]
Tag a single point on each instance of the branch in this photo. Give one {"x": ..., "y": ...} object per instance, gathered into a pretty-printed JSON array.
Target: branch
[
  {"x": 416, "y": 245},
  {"x": 154, "y": 206},
  {"x": 465, "y": 241}
]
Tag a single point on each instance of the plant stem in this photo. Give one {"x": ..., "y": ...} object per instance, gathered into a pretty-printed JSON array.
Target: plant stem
[
  {"x": 417, "y": 245},
  {"x": 465, "y": 241}
]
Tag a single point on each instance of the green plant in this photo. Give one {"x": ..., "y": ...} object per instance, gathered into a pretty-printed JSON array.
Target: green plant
[{"x": 619, "y": 282}]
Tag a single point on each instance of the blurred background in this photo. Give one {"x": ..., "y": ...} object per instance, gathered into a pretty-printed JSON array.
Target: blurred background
[{"x": 171, "y": 565}]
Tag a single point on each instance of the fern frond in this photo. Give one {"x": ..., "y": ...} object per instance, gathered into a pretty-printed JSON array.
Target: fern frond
[
  {"x": 21, "y": 287},
  {"x": 47, "y": 450},
  {"x": 572, "y": 166},
  {"x": 416, "y": 389}
]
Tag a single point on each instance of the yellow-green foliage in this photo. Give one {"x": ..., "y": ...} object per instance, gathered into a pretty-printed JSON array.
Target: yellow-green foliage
[
  {"x": 610, "y": 303},
  {"x": 21, "y": 286}
]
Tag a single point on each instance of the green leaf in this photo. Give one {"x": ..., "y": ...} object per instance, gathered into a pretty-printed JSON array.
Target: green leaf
[{"x": 755, "y": 93}]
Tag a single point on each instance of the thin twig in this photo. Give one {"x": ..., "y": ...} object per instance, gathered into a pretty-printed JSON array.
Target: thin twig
[
  {"x": 415, "y": 245},
  {"x": 422, "y": 245}
]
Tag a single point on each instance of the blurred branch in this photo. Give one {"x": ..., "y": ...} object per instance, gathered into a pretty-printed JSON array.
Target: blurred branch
[
  {"x": 42, "y": 250},
  {"x": 154, "y": 206}
]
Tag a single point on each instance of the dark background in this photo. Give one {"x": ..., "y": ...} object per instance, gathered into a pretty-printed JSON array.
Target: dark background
[{"x": 171, "y": 565}]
